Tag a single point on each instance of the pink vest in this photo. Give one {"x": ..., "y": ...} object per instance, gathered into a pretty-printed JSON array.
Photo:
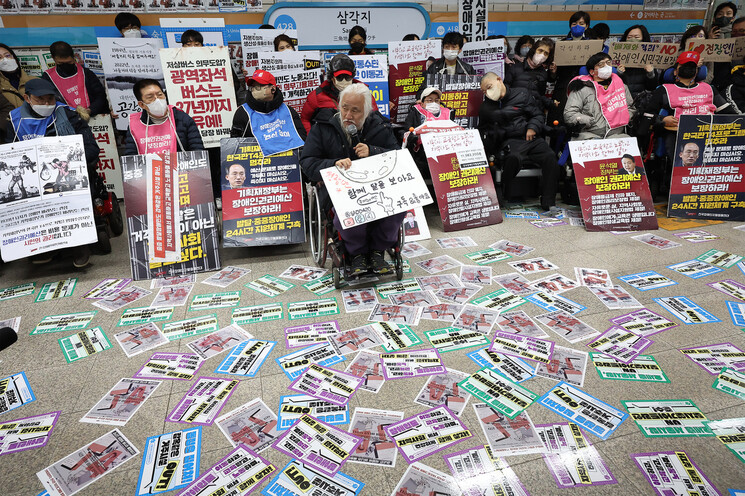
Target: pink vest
[
  {"x": 429, "y": 116},
  {"x": 612, "y": 101},
  {"x": 697, "y": 100},
  {"x": 154, "y": 138},
  {"x": 71, "y": 88}
]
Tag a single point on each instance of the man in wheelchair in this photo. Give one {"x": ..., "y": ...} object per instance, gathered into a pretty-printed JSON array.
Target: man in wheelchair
[{"x": 335, "y": 140}]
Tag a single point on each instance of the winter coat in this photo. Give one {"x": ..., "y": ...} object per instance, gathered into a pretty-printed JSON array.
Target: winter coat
[
  {"x": 241, "y": 127},
  {"x": 510, "y": 117},
  {"x": 583, "y": 109},
  {"x": 522, "y": 75},
  {"x": 325, "y": 96}
]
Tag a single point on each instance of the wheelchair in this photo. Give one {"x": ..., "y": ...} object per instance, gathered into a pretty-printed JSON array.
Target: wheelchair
[{"x": 326, "y": 242}]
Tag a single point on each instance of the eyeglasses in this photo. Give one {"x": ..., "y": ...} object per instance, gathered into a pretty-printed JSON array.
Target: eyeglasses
[{"x": 603, "y": 63}]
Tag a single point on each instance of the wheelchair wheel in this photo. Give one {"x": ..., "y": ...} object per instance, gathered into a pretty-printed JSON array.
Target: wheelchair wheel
[{"x": 317, "y": 229}]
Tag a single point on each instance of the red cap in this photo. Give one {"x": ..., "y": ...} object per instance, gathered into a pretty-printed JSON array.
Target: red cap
[
  {"x": 343, "y": 71},
  {"x": 686, "y": 57},
  {"x": 261, "y": 77}
]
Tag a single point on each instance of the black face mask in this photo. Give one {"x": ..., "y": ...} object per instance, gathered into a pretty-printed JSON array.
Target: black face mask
[
  {"x": 722, "y": 21},
  {"x": 357, "y": 47},
  {"x": 687, "y": 71}
]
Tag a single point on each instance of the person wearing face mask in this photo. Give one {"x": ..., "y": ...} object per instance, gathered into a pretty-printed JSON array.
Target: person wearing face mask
[
  {"x": 355, "y": 131},
  {"x": 129, "y": 25},
  {"x": 159, "y": 127},
  {"x": 579, "y": 23},
  {"x": 13, "y": 78},
  {"x": 76, "y": 85},
  {"x": 42, "y": 115},
  {"x": 721, "y": 25},
  {"x": 282, "y": 43},
  {"x": 427, "y": 109},
  {"x": 265, "y": 109},
  {"x": 533, "y": 73},
  {"x": 522, "y": 47},
  {"x": 599, "y": 104},
  {"x": 638, "y": 79},
  {"x": 358, "y": 42},
  {"x": 450, "y": 63},
  {"x": 511, "y": 124},
  {"x": 340, "y": 74},
  {"x": 685, "y": 96}
]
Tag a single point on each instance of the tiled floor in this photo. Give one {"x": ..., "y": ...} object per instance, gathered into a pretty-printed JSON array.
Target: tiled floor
[{"x": 74, "y": 388}]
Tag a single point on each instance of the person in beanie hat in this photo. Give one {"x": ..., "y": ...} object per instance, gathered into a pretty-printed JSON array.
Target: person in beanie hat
[{"x": 340, "y": 74}]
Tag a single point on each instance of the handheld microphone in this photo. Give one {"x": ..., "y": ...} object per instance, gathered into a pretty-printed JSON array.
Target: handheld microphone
[{"x": 352, "y": 130}]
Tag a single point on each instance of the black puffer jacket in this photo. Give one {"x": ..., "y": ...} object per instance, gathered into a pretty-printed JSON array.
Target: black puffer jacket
[
  {"x": 327, "y": 142},
  {"x": 638, "y": 79},
  {"x": 510, "y": 117},
  {"x": 241, "y": 127},
  {"x": 522, "y": 75},
  {"x": 735, "y": 92}
]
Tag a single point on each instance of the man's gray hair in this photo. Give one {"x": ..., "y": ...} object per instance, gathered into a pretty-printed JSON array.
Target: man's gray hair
[{"x": 358, "y": 89}]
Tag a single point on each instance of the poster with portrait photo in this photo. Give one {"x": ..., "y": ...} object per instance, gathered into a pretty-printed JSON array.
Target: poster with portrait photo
[
  {"x": 707, "y": 180},
  {"x": 415, "y": 225},
  {"x": 612, "y": 185},
  {"x": 262, "y": 197}
]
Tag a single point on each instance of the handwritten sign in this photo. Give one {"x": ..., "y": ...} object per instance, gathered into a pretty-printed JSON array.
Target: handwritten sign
[
  {"x": 639, "y": 54},
  {"x": 713, "y": 50},
  {"x": 576, "y": 52}
]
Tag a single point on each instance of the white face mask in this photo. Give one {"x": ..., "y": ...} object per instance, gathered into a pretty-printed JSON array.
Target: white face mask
[
  {"x": 341, "y": 84},
  {"x": 132, "y": 33},
  {"x": 494, "y": 93},
  {"x": 450, "y": 54},
  {"x": 8, "y": 65},
  {"x": 158, "y": 108},
  {"x": 539, "y": 58},
  {"x": 605, "y": 72},
  {"x": 432, "y": 107},
  {"x": 44, "y": 110}
]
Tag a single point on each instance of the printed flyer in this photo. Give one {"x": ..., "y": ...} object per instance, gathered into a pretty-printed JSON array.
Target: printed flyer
[
  {"x": 498, "y": 392},
  {"x": 327, "y": 384},
  {"x": 246, "y": 358},
  {"x": 121, "y": 402},
  {"x": 292, "y": 407},
  {"x": 296, "y": 362},
  {"x": 512, "y": 368},
  {"x": 668, "y": 418},
  {"x": 376, "y": 448},
  {"x": 673, "y": 472},
  {"x": 174, "y": 366},
  {"x": 443, "y": 389},
  {"x": 218, "y": 342},
  {"x": 403, "y": 364},
  {"x": 29, "y": 432},
  {"x": 506, "y": 436},
  {"x": 170, "y": 461},
  {"x": 252, "y": 424},
  {"x": 241, "y": 470},
  {"x": 297, "y": 479},
  {"x": 202, "y": 404},
  {"x": 83, "y": 344},
  {"x": 366, "y": 365},
  {"x": 65, "y": 322}
]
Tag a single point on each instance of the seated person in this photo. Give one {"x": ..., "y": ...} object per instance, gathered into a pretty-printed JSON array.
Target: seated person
[
  {"x": 685, "y": 96},
  {"x": 264, "y": 105},
  {"x": 340, "y": 74},
  {"x": 512, "y": 123},
  {"x": 331, "y": 143},
  {"x": 450, "y": 63},
  {"x": 599, "y": 104},
  {"x": 533, "y": 73},
  {"x": 76, "y": 85},
  {"x": 129, "y": 25},
  {"x": 41, "y": 115},
  {"x": 159, "y": 127}
]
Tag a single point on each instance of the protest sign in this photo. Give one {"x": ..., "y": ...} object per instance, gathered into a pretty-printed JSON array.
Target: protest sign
[
  {"x": 246, "y": 358},
  {"x": 122, "y": 401},
  {"x": 108, "y": 158},
  {"x": 292, "y": 407},
  {"x": 462, "y": 94},
  {"x": 74, "y": 472},
  {"x": 41, "y": 214},
  {"x": 473, "y": 19},
  {"x": 33, "y": 61},
  {"x": 466, "y": 196},
  {"x": 426, "y": 480},
  {"x": 202, "y": 403},
  {"x": 126, "y": 61},
  {"x": 707, "y": 180},
  {"x": 240, "y": 472},
  {"x": 29, "y": 432},
  {"x": 164, "y": 243},
  {"x": 252, "y": 424},
  {"x": 16, "y": 392},
  {"x": 508, "y": 436},
  {"x": 170, "y": 461},
  {"x": 678, "y": 474},
  {"x": 266, "y": 206},
  {"x": 612, "y": 185},
  {"x": 297, "y": 74},
  {"x": 375, "y": 187},
  {"x": 260, "y": 40},
  {"x": 199, "y": 81},
  {"x": 576, "y": 52},
  {"x": 315, "y": 482},
  {"x": 639, "y": 54},
  {"x": 407, "y": 61},
  {"x": 713, "y": 50},
  {"x": 196, "y": 229},
  {"x": 373, "y": 71},
  {"x": 376, "y": 449},
  {"x": 485, "y": 56}
]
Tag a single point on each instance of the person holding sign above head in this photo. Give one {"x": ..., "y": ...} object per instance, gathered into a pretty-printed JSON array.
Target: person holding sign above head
[
  {"x": 512, "y": 123},
  {"x": 266, "y": 117},
  {"x": 159, "y": 127},
  {"x": 355, "y": 132},
  {"x": 450, "y": 63},
  {"x": 41, "y": 115},
  {"x": 76, "y": 85},
  {"x": 599, "y": 105},
  {"x": 340, "y": 74}
]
